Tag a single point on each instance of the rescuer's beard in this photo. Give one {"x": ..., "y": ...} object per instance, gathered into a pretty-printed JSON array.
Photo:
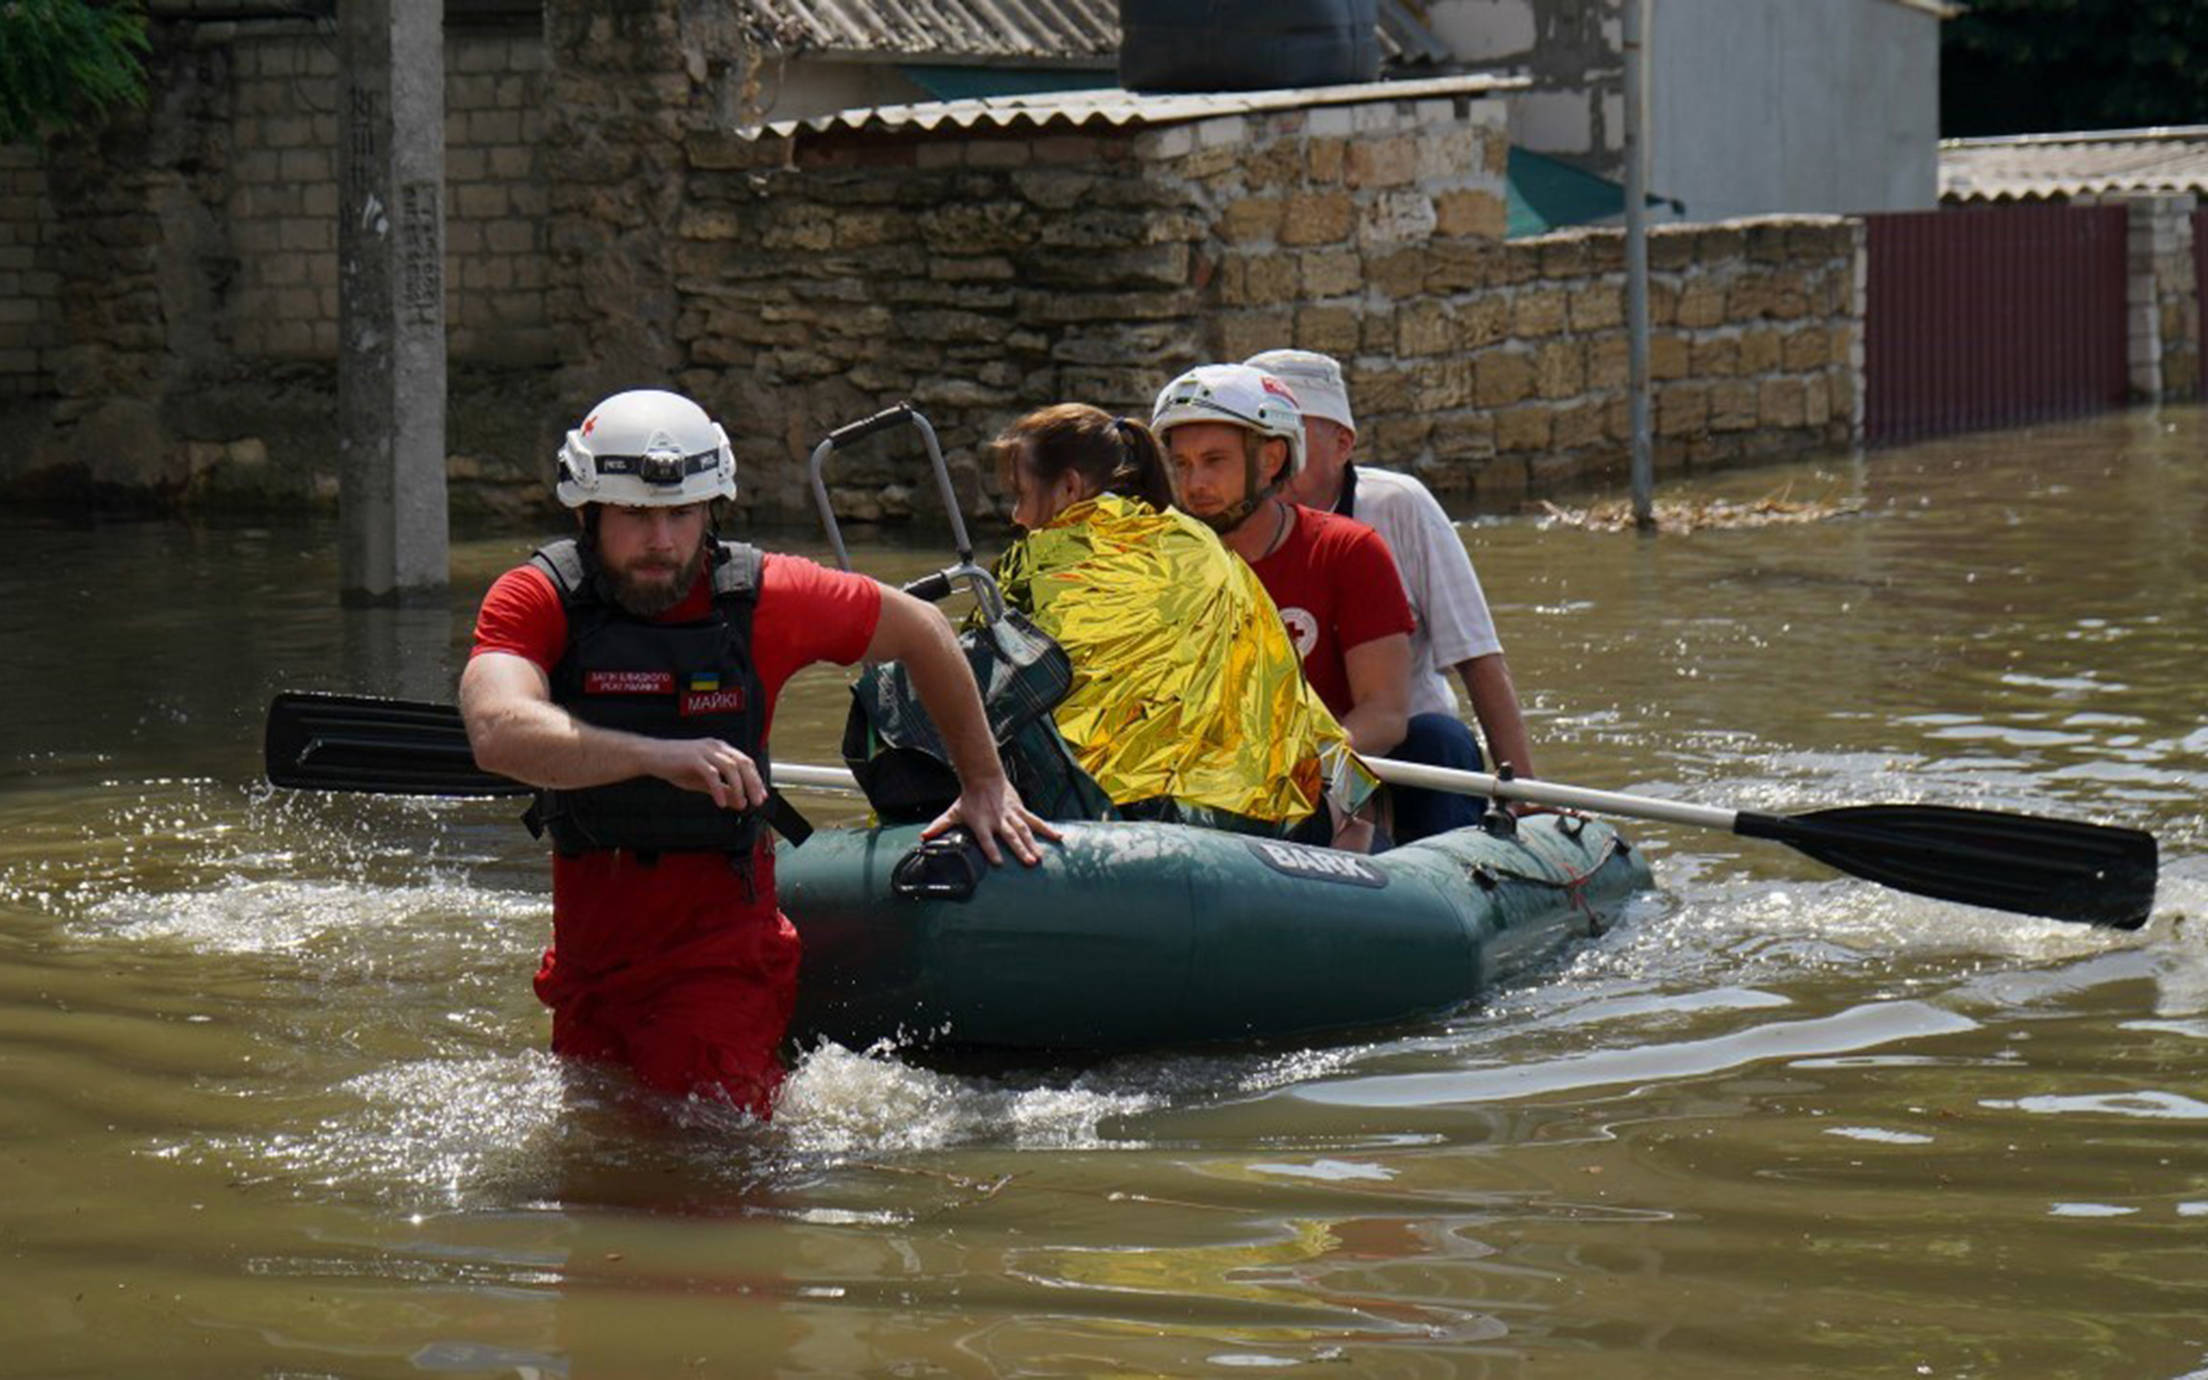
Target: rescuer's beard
[{"x": 648, "y": 588}]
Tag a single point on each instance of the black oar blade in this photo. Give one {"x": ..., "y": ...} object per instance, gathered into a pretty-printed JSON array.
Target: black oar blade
[
  {"x": 391, "y": 747},
  {"x": 2056, "y": 868}
]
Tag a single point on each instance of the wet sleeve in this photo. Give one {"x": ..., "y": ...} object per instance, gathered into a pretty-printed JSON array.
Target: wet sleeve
[
  {"x": 809, "y": 613},
  {"x": 1380, "y": 607},
  {"x": 521, "y": 615}
]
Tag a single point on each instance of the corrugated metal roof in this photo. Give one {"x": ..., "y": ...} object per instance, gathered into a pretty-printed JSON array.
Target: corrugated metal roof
[
  {"x": 961, "y": 30},
  {"x": 1110, "y": 106},
  {"x": 1074, "y": 31},
  {"x": 2027, "y": 167}
]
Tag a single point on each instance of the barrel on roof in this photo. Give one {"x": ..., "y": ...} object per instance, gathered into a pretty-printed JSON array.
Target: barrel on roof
[{"x": 1246, "y": 45}]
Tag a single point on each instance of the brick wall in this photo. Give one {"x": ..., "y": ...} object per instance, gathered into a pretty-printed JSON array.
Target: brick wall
[
  {"x": 496, "y": 202},
  {"x": 30, "y": 306},
  {"x": 168, "y": 280},
  {"x": 282, "y": 209},
  {"x": 283, "y": 201}
]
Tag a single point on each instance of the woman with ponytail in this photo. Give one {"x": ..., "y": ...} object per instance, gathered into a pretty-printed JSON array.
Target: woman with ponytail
[{"x": 1188, "y": 701}]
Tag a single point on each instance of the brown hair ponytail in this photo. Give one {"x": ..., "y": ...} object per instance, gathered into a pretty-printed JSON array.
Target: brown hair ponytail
[{"x": 1116, "y": 455}]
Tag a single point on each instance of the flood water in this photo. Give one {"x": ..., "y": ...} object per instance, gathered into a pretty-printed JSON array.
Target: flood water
[{"x": 273, "y": 1098}]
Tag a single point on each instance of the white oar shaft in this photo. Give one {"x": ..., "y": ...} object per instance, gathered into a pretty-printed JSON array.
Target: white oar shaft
[
  {"x": 1412, "y": 774},
  {"x": 1549, "y": 793},
  {"x": 814, "y": 778}
]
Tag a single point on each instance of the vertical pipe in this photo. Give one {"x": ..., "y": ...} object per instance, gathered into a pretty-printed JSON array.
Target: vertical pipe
[{"x": 1636, "y": 258}]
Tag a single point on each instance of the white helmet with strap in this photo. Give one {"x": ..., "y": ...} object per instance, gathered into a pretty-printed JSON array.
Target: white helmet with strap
[
  {"x": 1239, "y": 396},
  {"x": 646, "y": 448}
]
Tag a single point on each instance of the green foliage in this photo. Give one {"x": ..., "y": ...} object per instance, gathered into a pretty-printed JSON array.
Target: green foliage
[
  {"x": 64, "y": 61},
  {"x": 2036, "y": 66}
]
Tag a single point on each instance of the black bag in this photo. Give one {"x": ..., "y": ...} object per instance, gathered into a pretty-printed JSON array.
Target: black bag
[{"x": 899, "y": 759}]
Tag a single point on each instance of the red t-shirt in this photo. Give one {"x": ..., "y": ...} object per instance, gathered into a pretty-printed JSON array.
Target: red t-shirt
[
  {"x": 1336, "y": 587},
  {"x": 608, "y": 909}
]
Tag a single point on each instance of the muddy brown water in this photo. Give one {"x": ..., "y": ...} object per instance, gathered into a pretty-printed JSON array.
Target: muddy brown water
[{"x": 273, "y": 1099}]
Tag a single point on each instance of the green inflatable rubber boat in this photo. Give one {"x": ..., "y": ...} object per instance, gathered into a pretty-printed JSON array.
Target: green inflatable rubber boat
[{"x": 1140, "y": 935}]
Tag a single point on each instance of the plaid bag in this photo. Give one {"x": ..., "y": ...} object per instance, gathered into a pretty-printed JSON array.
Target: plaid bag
[{"x": 899, "y": 759}]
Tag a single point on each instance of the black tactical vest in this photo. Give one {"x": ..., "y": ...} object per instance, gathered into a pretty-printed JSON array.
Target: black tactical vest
[{"x": 661, "y": 680}]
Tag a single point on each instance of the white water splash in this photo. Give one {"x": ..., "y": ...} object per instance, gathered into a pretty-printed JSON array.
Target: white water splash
[
  {"x": 343, "y": 922},
  {"x": 838, "y": 1102}
]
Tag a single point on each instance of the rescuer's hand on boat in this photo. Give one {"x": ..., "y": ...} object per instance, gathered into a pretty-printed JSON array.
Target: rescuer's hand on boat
[
  {"x": 918, "y": 635},
  {"x": 991, "y": 810}
]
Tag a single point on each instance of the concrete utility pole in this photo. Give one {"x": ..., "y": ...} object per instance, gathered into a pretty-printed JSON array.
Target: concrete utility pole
[
  {"x": 1636, "y": 257},
  {"x": 394, "y": 538}
]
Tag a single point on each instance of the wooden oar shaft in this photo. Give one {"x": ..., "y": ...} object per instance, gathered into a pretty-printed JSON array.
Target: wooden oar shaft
[{"x": 1397, "y": 773}]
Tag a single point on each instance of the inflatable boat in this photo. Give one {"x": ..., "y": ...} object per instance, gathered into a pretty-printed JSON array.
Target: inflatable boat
[{"x": 1140, "y": 935}]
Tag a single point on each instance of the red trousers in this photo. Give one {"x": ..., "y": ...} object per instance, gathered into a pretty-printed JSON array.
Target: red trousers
[{"x": 682, "y": 970}]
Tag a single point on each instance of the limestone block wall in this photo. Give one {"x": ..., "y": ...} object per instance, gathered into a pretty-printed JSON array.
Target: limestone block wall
[
  {"x": 977, "y": 277},
  {"x": 2162, "y": 310},
  {"x": 1497, "y": 369},
  {"x": 981, "y": 273}
]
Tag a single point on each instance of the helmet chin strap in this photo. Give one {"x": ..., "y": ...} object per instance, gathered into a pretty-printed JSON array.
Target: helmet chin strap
[{"x": 1238, "y": 512}]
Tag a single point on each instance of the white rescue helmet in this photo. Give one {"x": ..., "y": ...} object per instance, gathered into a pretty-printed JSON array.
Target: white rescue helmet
[
  {"x": 1238, "y": 394},
  {"x": 646, "y": 448}
]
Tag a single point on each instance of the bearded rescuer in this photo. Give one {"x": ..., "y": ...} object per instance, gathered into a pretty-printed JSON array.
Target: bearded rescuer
[{"x": 630, "y": 674}]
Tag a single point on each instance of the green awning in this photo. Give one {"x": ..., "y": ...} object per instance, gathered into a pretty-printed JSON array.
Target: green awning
[{"x": 1547, "y": 194}]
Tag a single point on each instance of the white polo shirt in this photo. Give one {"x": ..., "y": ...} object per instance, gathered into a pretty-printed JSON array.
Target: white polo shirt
[{"x": 1453, "y": 620}]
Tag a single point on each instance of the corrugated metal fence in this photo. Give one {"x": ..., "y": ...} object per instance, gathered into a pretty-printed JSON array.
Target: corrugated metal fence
[
  {"x": 1992, "y": 317},
  {"x": 2200, "y": 289}
]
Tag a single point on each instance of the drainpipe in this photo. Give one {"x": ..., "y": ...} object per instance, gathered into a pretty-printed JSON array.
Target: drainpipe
[{"x": 1636, "y": 257}]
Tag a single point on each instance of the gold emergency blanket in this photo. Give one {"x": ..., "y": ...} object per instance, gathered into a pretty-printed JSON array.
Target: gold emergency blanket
[{"x": 1185, "y": 685}]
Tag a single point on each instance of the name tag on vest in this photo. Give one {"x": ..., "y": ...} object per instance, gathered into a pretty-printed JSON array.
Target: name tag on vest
[
  {"x": 629, "y": 683},
  {"x": 712, "y": 702}
]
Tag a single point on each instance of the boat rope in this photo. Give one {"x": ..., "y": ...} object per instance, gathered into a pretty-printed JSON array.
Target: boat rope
[{"x": 1574, "y": 887}]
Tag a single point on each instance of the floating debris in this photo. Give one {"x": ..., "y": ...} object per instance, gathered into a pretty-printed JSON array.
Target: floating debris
[{"x": 1688, "y": 515}]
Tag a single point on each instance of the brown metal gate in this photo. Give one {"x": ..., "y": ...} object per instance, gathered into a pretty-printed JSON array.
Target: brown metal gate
[
  {"x": 1992, "y": 317},
  {"x": 2200, "y": 290}
]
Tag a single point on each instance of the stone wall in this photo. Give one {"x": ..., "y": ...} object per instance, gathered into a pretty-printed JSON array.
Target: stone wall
[
  {"x": 819, "y": 276},
  {"x": 1497, "y": 370},
  {"x": 2162, "y": 325},
  {"x": 609, "y": 227}
]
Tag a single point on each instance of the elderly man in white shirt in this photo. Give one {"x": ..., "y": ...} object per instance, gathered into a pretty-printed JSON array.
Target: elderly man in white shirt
[{"x": 1455, "y": 630}]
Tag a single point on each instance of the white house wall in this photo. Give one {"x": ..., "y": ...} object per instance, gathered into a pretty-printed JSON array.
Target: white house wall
[
  {"x": 1756, "y": 106},
  {"x": 1569, "y": 47},
  {"x": 1810, "y": 105}
]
